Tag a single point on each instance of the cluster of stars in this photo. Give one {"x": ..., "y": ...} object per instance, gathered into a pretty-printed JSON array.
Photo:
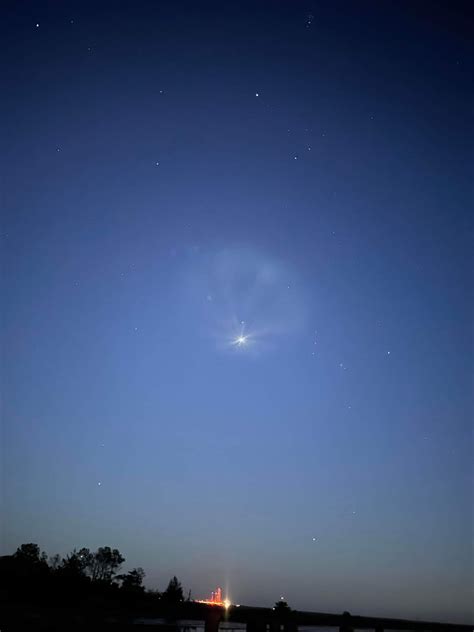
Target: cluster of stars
[
  {"x": 315, "y": 342},
  {"x": 307, "y": 129}
]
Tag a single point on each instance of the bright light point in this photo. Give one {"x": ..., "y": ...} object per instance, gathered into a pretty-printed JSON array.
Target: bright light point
[
  {"x": 241, "y": 340},
  {"x": 256, "y": 94},
  {"x": 314, "y": 539},
  {"x": 37, "y": 26},
  {"x": 227, "y": 604}
]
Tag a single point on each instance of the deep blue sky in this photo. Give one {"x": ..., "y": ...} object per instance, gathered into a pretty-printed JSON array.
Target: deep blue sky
[{"x": 314, "y": 181}]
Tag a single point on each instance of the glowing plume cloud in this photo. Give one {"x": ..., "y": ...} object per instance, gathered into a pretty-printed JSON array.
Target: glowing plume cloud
[{"x": 246, "y": 301}]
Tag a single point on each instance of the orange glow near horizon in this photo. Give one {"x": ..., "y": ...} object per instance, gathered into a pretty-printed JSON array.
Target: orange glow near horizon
[{"x": 215, "y": 599}]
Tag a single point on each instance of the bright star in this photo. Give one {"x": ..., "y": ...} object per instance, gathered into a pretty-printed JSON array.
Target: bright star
[{"x": 240, "y": 340}]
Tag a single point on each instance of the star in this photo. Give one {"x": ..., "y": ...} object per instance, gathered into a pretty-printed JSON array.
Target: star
[
  {"x": 314, "y": 539},
  {"x": 37, "y": 26},
  {"x": 256, "y": 94},
  {"x": 99, "y": 484},
  {"x": 240, "y": 341}
]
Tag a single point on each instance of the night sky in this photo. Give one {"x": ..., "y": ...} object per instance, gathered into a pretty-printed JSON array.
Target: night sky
[{"x": 237, "y": 306}]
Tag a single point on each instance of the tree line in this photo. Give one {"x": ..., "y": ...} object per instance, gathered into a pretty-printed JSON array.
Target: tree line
[
  {"x": 90, "y": 579},
  {"x": 29, "y": 572}
]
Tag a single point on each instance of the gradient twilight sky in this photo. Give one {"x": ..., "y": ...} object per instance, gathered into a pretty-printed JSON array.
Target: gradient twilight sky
[{"x": 171, "y": 169}]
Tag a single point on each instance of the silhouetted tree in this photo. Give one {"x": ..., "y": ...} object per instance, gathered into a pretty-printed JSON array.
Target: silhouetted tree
[
  {"x": 174, "y": 592},
  {"x": 104, "y": 564},
  {"x": 281, "y": 607},
  {"x": 76, "y": 563},
  {"x": 30, "y": 554},
  {"x": 25, "y": 573},
  {"x": 54, "y": 562},
  {"x": 100, "y": 566},
  {"x": 133, "y": 580}
]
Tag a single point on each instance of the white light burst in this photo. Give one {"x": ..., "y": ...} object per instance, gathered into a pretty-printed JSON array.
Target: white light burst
[
  {"x": 241, "y": 283},
  {"x": 240, "y": 341}
]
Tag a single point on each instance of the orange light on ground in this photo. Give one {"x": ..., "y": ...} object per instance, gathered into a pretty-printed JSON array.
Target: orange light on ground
[{"x": 216, "y": 600}]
